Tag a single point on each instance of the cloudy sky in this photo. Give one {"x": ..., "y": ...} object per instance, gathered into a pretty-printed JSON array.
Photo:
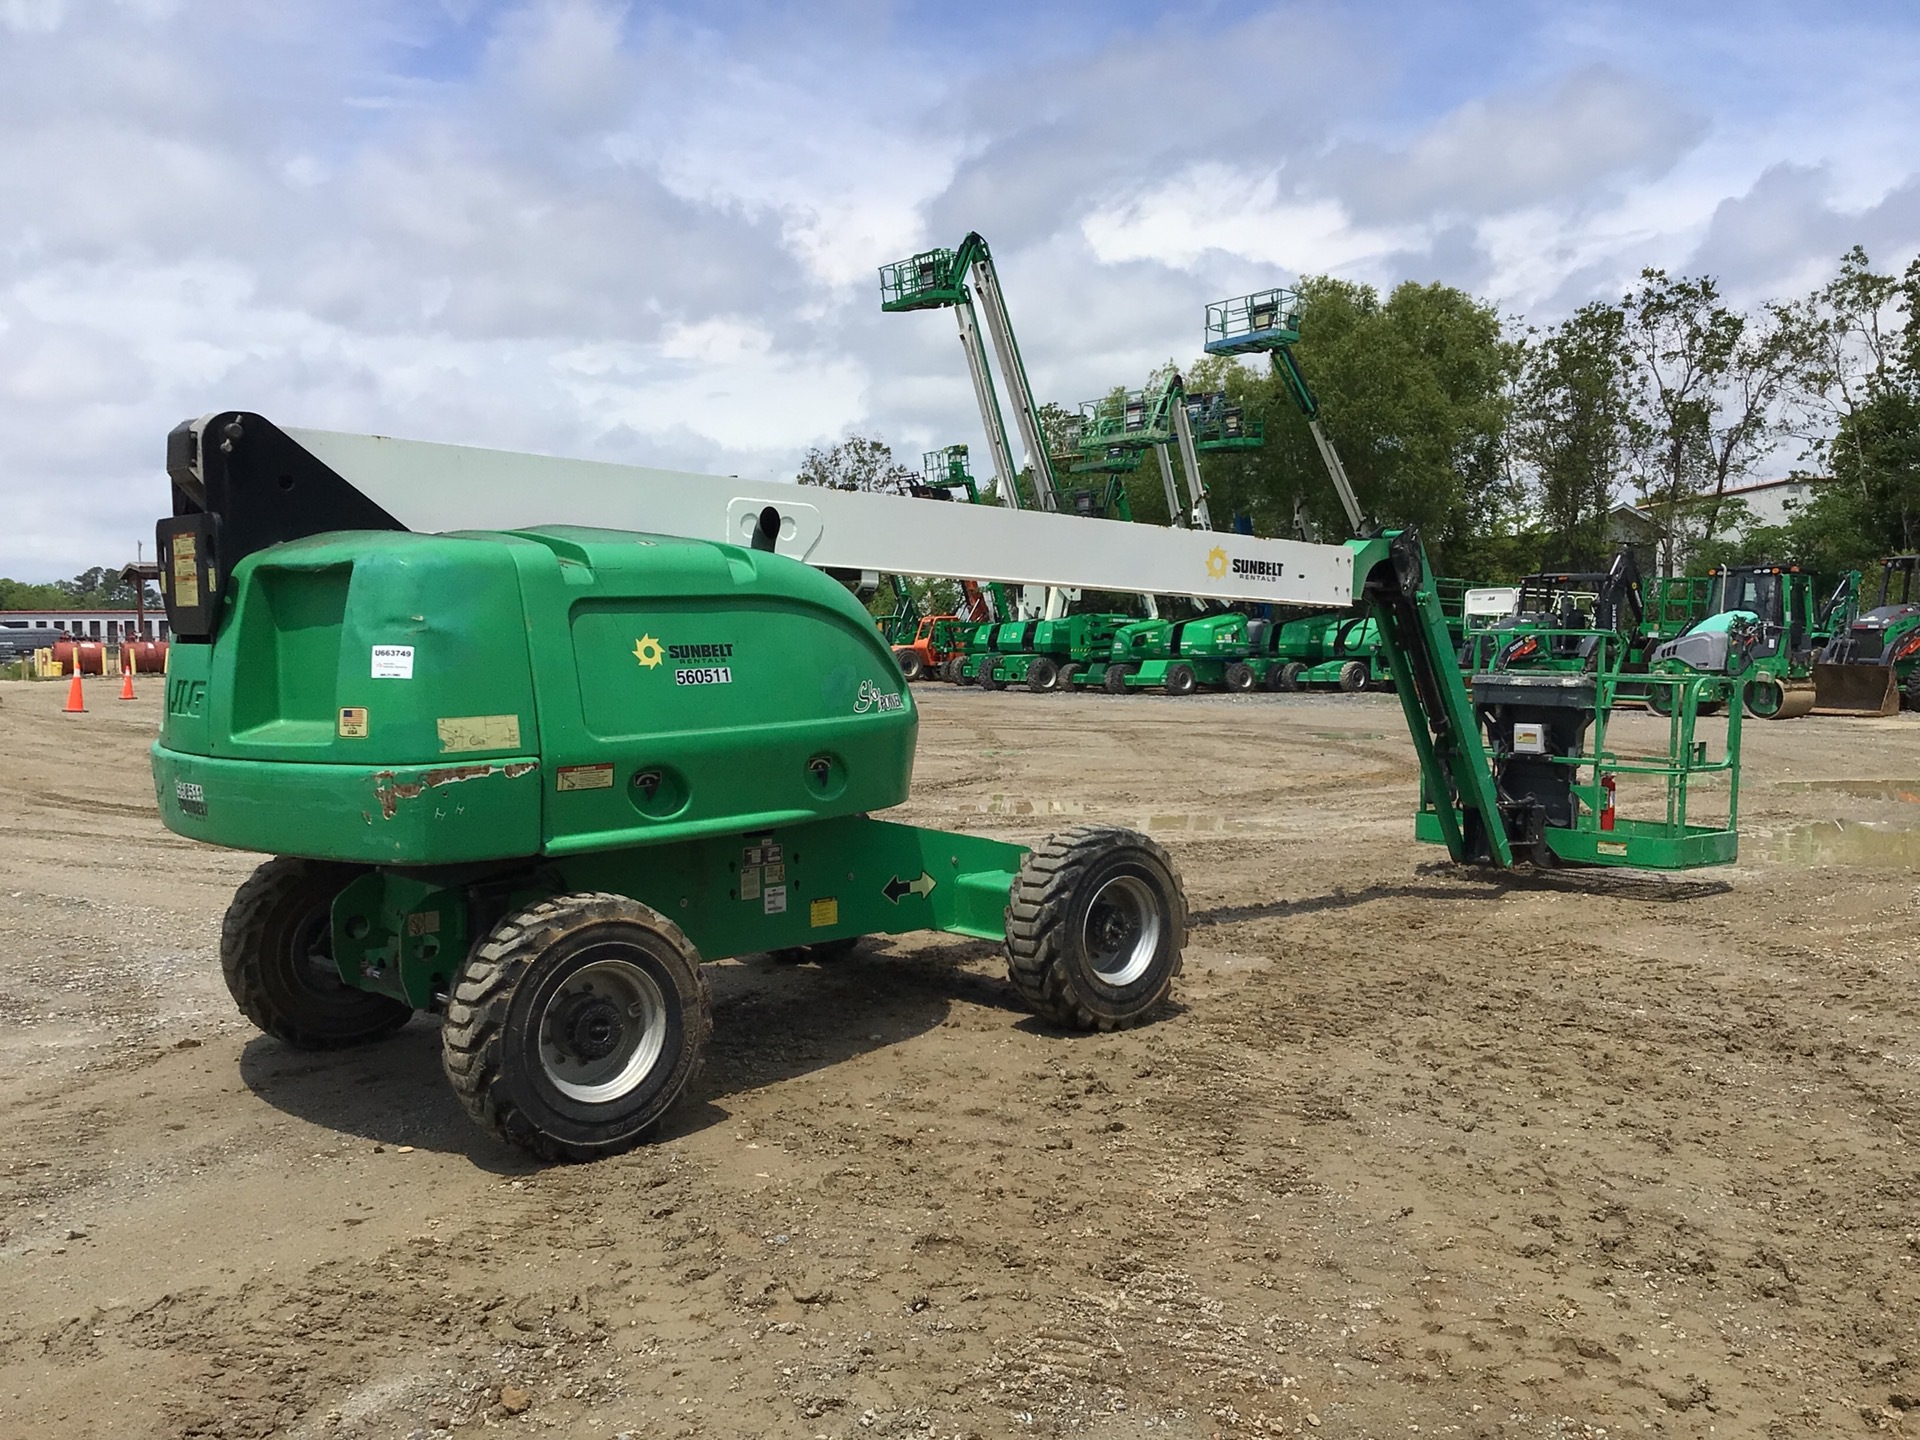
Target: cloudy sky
[{"x": 649, "y": 232}]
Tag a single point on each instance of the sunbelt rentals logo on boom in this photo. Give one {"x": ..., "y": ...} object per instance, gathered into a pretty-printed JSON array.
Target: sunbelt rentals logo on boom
[{"x": 1220, "y": 565}]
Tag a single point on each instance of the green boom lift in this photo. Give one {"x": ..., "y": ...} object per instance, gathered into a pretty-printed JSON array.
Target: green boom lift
[{"x": 528, "y": 774}]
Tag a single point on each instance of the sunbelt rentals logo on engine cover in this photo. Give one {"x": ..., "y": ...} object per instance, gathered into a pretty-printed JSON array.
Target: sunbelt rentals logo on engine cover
[
  {"x": 693, "y": 664},
  {"x": 1219, "y": 566}
]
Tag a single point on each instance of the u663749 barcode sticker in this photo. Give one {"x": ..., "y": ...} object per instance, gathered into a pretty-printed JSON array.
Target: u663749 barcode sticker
[{"x": 705, "y": 675}]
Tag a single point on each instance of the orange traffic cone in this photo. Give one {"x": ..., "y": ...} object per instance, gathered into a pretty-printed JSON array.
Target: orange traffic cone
[
  {"x": 76, "y": 701},
  {"x": 126, "y": 682}
]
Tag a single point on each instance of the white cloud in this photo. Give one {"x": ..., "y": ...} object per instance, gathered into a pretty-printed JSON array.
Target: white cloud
[{"x": 633, "y": 232}]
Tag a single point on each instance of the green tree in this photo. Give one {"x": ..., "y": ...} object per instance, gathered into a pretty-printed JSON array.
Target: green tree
[
  {"x": 856, "y": 463},
  {"x": 98, "y": 588},
  {"x": 1705, "y": 382},
  {"x": 1415, "y": 392},
  {"x": 1573, "y": 428}
]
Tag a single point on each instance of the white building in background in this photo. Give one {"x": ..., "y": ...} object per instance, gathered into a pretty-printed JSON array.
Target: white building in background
[
  {"x": 1767, "y": 503},
  {"x": 109, "y": 625},
  {"x": 1776, "y": 502}
]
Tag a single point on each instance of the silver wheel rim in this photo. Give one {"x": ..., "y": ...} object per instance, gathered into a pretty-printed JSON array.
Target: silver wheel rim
[
  {"x": 1121, "y": 932},
  {"x": 601, "y": 1033}
]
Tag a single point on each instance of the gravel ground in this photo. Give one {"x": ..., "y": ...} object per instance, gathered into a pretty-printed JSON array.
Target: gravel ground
[{"x": 1414, "y": 1150}]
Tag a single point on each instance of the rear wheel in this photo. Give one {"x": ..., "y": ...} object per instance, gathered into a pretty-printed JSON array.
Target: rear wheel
[
  {"x": 1180, "y": 679},
  {"x": 1353, "y": 677},
  {"x": 1291, "y": 676},
  {"x": 1095, "y": 926},
  {"x": 576, "y": 1024},
  {"x": 1068, "y": 673},
  {"x": 1910, "y": 692},
  {"x": 950, "y": 669},
  {"x": 913, "y": 665},
  {"x": 276, "y": 952},
  {"x": 1239, "y": 676},
  {"x": 1115, "y": 680},
  {"x": 1042, "y": 676},
  {"x": 986, "y": 678},
  {"x": 1660, "y": 699}
]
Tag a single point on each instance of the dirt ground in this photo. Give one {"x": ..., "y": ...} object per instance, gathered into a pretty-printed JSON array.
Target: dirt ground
[{"x": 1416, "y": 1151}]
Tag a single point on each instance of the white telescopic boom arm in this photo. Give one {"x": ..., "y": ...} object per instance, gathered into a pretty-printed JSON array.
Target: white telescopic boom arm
[{"x": 432, "y": 488}]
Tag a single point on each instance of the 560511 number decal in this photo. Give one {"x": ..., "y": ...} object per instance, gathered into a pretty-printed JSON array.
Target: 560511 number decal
[{"x": 705, "y": 675}]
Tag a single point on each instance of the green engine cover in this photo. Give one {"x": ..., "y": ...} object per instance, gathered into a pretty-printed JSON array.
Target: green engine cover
[{"x": 401, "y": 699}]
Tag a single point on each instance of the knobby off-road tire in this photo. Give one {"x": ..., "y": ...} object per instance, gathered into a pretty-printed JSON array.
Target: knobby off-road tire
[
  {"x": 1114, "y": 681},
  {"x": 1353, "y": 677},
  {"x": 1910, "y": 692},
  {"x": 1067, "y": 673},
  {"x": 912, "y": 665},
  {"x": 1096, "y": 924},
  {"x": 987, "y": 679},
  {"x": 1289, "y": 677},
  {"x": 950, "y": 670},
  {"x": 1180, "y": 679},
  {"x": 276, "y": 951},
  {"x": 1043, "y": 676},
  {"x": 576, "y": 1024},
  {"x": 1239, "y": 676}
]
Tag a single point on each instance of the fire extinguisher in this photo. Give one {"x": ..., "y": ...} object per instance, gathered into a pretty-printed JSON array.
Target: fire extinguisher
[{"x": 1606, "y": 810}]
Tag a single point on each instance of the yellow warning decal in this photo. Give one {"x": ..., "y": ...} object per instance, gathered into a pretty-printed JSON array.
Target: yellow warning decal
[
  {"x": 462, "y": 733},
  {"x": 824, "y": 911},
  {"x": 186, "y": 571}
]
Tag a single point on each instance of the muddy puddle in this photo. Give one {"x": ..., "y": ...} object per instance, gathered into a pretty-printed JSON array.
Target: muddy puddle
[
  {"x": 1842, "y": 842},
  {"x": 1906, "y": 791}
]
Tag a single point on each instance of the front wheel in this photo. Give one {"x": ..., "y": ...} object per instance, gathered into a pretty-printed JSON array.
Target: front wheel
[
  {"x": 1114, "y": 682},
  {"x": 1095, "y": 928},
  {"x": 575, "y": 1025},
  {"x": 985, "y": 677},
  {"x": 912, "y": 665},
  {"x": 1289, "y": 677},
  {"x": 1068, "y": 673},
  {"x": 1353, "y": 677},
  {"x": 276, "y": 952},
  {"x": 1180, "y": 679},
  {"x": 1239, "y": 676},
  {"x": 1043, "y": 676},
  {"x": 950, "y": 669},
  {"x": 1765, "y": 697}
]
